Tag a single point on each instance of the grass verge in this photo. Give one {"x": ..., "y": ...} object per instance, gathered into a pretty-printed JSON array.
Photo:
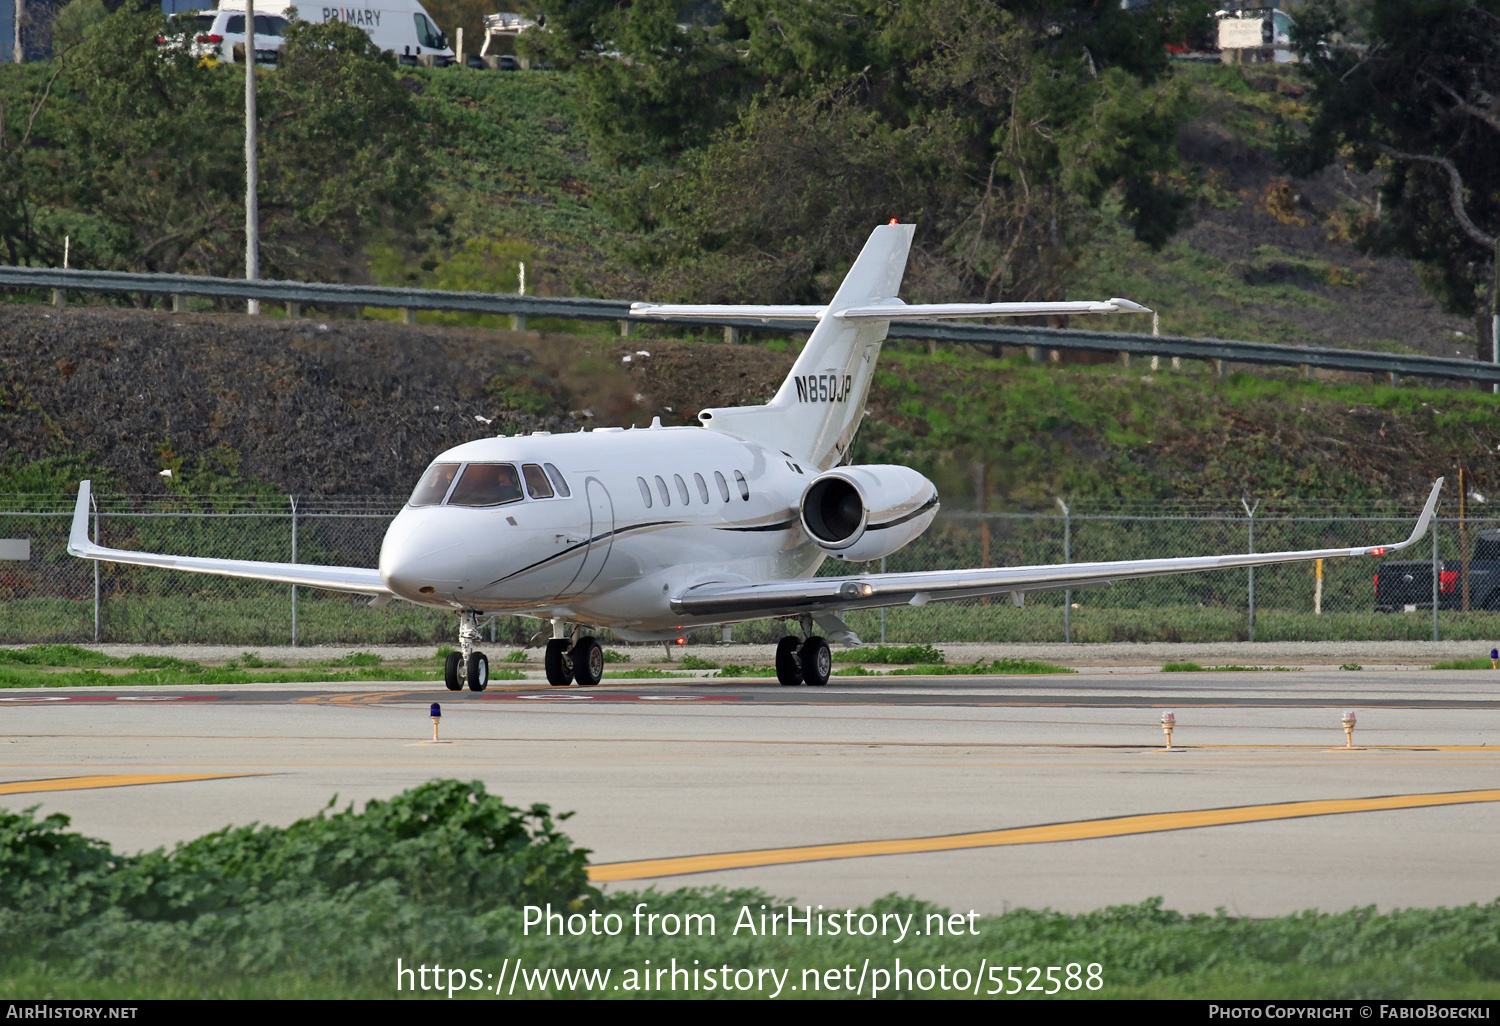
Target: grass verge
[{"x": 1196, "y": 668}]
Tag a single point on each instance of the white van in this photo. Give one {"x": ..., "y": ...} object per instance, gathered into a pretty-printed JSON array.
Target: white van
[{"x": 399, "y": 26}]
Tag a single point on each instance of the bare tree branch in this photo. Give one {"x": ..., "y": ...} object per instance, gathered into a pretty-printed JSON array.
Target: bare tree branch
[
  {"x": 1461, "y": 103},
  {"x": 1456, "y": 190}
]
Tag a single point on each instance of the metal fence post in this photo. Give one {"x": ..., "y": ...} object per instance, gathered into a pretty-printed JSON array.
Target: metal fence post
[
  {"x": 882, "y": 608},
  {"x": 1437, "y": 569},
  {"x": 94, "y": 502},
  {"x": 293, "y": 500},
  {"x": 1067, "y": 558},
  {"x": 1250, "y": 515}
]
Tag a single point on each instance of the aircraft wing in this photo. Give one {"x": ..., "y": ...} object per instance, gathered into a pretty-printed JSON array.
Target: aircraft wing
[
  {"x": 354, "y": 579},
  {"x": 871, "y": 591}
]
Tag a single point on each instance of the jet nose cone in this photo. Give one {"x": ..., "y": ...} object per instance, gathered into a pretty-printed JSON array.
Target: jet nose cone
[{"x": 421, "y": 562}]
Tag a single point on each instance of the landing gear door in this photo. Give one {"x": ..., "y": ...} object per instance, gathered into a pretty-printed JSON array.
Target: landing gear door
[{"x": 601, "y": 537}]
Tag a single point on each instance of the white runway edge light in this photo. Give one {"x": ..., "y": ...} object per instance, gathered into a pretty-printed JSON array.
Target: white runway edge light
[
  {"x": 1168, "y": 721},
  {"x": 1349, "y": 720}
]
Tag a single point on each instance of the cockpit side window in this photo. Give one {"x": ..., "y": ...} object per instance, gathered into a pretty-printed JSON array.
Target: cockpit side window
[
  {"x": 434, "y": 484},
  {"x": 558, "y": 480},
  {"x": 537, "y": 485},
  {"x": 487, "y": 484}
]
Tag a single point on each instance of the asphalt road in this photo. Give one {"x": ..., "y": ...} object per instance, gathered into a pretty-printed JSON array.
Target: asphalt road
[{"x": 984, "y": 793}]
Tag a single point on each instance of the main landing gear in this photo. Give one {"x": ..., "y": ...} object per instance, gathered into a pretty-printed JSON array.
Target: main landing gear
[
  {"x": 803, "y": 662},
  {"x": 579, "y": 659},
  {"x": 466, "y": 666}
]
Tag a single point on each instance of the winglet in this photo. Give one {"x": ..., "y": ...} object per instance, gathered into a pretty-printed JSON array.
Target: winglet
[
  {"x": 78, "y": 539},
  {"x": 1423, "y": 522}
]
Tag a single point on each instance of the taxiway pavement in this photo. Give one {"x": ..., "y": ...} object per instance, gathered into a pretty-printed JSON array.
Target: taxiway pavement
[{"x": 1261, "y": 813}]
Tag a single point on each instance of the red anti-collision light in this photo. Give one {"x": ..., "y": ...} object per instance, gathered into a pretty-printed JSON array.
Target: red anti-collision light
[{"x": 894, "y": 221}]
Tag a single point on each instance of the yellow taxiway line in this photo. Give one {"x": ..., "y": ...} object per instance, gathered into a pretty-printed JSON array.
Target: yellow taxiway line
[
  {"x": 109, "y": 780},
  {"x": 1075, "y": 831}
]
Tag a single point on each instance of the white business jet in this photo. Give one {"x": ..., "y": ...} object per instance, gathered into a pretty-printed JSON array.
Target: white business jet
[{"x": 650, "y": 533}]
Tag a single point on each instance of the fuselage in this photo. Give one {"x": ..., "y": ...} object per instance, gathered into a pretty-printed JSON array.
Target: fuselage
[{"x": 647, "y": 514}]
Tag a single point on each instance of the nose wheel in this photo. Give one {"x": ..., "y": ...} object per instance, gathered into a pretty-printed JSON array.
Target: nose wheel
[{"x": 467, "y": 666}]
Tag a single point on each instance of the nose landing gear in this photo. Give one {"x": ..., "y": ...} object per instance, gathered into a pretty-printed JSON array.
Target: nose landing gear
[{"x": 466, "y": 666}]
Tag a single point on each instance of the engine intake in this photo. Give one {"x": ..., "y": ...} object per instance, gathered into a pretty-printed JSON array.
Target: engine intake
[
  {"x": 866, "y": 512},
  {"x": 833, "y": 512}
]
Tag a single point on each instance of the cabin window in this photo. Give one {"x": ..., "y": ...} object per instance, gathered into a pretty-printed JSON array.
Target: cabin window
[
  {"x": 645, "y": 491},
  {"x": 562, "y": 482},
  {"x": 702, "y": 487},
  {"x": 723, "y": 485},
  {"x": 682, "y": 492},
  {"x": 486, "y": 484},
  {"x": 739, "y": 479},
  {"x": 661, "y": 489},
  {"x": 537, "y": 485},
  {"x": 434, "y": 484}
]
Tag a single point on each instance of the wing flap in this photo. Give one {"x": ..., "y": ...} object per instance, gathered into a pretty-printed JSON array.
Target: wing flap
[
  {"x": 871, "y": 591},
  {"x": 353, "y": 579}
]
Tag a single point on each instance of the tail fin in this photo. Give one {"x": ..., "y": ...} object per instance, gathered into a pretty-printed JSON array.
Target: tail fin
[{"x": 820, "y": 404}]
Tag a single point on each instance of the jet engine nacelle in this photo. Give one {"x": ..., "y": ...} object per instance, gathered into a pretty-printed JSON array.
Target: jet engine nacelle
[{"x": 860, "y": 513}]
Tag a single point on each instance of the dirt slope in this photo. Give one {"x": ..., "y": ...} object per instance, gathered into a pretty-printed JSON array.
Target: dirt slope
[{"x": 327, "y": 407}]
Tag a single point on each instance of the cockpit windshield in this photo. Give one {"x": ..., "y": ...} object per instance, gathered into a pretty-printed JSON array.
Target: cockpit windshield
[
  {"x": 487, "y": 484},
  {"x": 434, "y": 484}
]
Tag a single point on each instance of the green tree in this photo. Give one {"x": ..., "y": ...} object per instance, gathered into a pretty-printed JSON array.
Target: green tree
[
  {"x": 648, "y": 87},
  {"x": 144, "y": 146},
  {"x": 28, "y": 126},
  {"x": 1420, "y": 104},
  {"x": 1000, "y": 130}
]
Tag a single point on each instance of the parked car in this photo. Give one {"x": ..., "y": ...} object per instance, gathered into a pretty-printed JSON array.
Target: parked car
[
  {"x": 1407, "y": 585},
  {"x": 402, "y": 27}
]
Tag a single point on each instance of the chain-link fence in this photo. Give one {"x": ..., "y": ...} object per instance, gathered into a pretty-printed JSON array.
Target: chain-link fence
[{"x": 53, "y": 597}]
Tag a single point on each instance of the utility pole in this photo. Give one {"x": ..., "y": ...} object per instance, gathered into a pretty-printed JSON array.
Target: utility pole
[
  {"x": 252, "y": 165},
  {"x": 18, "y": 54},
  {"x": 1494, "y": 300}
]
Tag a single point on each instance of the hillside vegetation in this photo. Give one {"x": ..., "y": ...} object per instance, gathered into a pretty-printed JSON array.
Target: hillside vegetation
[
  {"x": 513, "y": 177},
  {"x": 223, "y": 399}
]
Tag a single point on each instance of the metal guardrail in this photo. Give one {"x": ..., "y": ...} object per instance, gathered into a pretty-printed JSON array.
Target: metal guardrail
[{"x": 1220, "y": 351}]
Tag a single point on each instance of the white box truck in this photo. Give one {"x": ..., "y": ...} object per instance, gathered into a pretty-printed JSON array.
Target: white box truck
[{"x": 402, "y": 27}]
